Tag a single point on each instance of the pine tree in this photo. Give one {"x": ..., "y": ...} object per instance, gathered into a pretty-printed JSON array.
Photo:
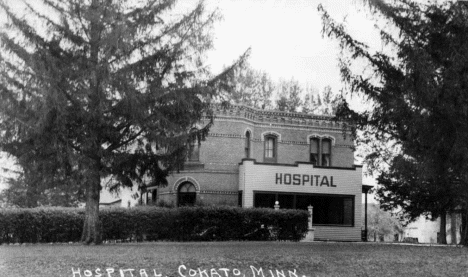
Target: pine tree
[
  {"x": 324, "y": 103},
  {"x": 307, "y": 106},
  {"x": 43, "y": 183},
  {"x": 105, "y": 89},
  {"x": 250, "y": 87},
  {"x": 289, "y": 96},
  {"x": 418, "y": 97}
]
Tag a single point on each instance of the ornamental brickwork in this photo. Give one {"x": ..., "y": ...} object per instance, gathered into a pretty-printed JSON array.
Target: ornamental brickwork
[{"x": 216, "y": 174}]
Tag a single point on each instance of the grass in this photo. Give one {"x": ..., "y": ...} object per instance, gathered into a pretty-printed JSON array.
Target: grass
[{"x": 303, "y": 259}]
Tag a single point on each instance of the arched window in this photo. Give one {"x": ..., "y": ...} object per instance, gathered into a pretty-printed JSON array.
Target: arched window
[
  {"x": 247, "y": 144},
  {"x": 186, "y": 194},
  {"x": 270, "y": 155}
]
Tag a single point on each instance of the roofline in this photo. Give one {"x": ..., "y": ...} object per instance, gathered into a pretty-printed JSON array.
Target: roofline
[
  {"x": 110, "y": 203},
  {"x": 275, "y": 112},
  {"x": 366, "y": 188},
  {"x": 296, "y": 164}
]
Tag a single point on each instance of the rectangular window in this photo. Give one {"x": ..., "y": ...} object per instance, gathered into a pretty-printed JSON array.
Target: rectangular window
[
  {"x": 247, "y": 144},
  {"x": 320, "y": 151},
  {"x": 333, "y": 210},
  {"x": 303, "y": 201},
  {"x": 314, "y": 151},
  {"x": 328, "y": 209},
  {"x": 326, "y": 152},
  {"x": 194, "y": 152},
  {"x": 270, "y": 149},
  {"x": 348, "y": 211},
  {"x": 264, "y": 200},
  {"x": 286, "y": 201}
]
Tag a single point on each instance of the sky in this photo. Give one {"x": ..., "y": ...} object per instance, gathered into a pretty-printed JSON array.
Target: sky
[{"x": 285, "y": 38}]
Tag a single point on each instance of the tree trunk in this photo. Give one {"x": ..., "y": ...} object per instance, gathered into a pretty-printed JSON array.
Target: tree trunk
[
  {"x": 443, "y": 232},
  {"x": 453, "y": 227},
  {"x": 464, "y": 228},
  {"x": 92, "y": 231}
]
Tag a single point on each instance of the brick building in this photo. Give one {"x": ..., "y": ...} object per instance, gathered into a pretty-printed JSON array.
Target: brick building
[{"x": 254, "y": 158}]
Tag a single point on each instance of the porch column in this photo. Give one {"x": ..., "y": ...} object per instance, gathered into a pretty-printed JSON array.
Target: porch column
[
  {"x": 310, "y": 236},
  {"x": 365, "y": 189}
]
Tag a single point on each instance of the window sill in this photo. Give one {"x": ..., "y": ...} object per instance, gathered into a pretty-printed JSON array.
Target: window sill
[{"x": 269, "y": 160}]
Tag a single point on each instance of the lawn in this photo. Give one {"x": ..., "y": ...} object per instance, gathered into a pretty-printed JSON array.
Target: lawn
[{"x": 232, "y": 259}]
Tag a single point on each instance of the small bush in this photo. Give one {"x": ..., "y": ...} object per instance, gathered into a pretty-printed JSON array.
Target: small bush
[{"x": 206, "y": 223}]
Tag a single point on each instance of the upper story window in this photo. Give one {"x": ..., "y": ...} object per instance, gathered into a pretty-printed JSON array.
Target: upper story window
[
  {"x": 326, "y": 152},
  {"x": 320, "y": 151},
  {"x": 270, "y": 149},
  {"x": 194, "y": 151},
  {"x": 314, "y": 150},
  {"x": 247, "y": 144}
]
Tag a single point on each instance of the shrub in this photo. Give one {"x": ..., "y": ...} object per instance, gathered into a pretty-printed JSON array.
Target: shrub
[
  {"x": 205, "y": 223},
  {"x": 40, "y": 225}
]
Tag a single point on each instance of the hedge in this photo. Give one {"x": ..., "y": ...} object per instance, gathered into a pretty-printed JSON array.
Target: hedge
[{"x": 45, "y": 225}]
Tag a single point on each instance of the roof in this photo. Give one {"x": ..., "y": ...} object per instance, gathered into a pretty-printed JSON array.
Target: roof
[
  {"x": 111, "y": 203},
  {"x": 366, "y": 188}
]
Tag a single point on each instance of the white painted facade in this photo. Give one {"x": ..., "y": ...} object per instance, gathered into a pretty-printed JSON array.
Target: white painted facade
[
  {"x": 258, "y": 177},
  {"x": 426, "y": 230}
]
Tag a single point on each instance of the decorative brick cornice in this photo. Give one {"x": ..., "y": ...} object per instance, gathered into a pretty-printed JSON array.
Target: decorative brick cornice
[
  {"x": 275, "y": 117},
  {"x": 234, "y": 109},
  {"x": 306, "y": 127}
]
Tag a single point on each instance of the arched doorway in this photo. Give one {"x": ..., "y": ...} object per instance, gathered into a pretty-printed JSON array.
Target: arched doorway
[{"x": 186, "y": 194}]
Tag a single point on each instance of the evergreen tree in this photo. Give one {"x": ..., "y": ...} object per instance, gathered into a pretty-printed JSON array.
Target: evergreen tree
[
  {"x": 289, "y": 96},
  {"x": 37, "y": 184},
  {"x": 324, "y": 103},
  {"x": 102, "y": 88},
  {"x": 418, "y": 96},
  {"x": 307, "y": 106},
  {"x": 250, "y": 87}
]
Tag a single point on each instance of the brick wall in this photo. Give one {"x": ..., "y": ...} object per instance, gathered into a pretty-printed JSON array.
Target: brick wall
[{"x": 217, "y": 172}]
